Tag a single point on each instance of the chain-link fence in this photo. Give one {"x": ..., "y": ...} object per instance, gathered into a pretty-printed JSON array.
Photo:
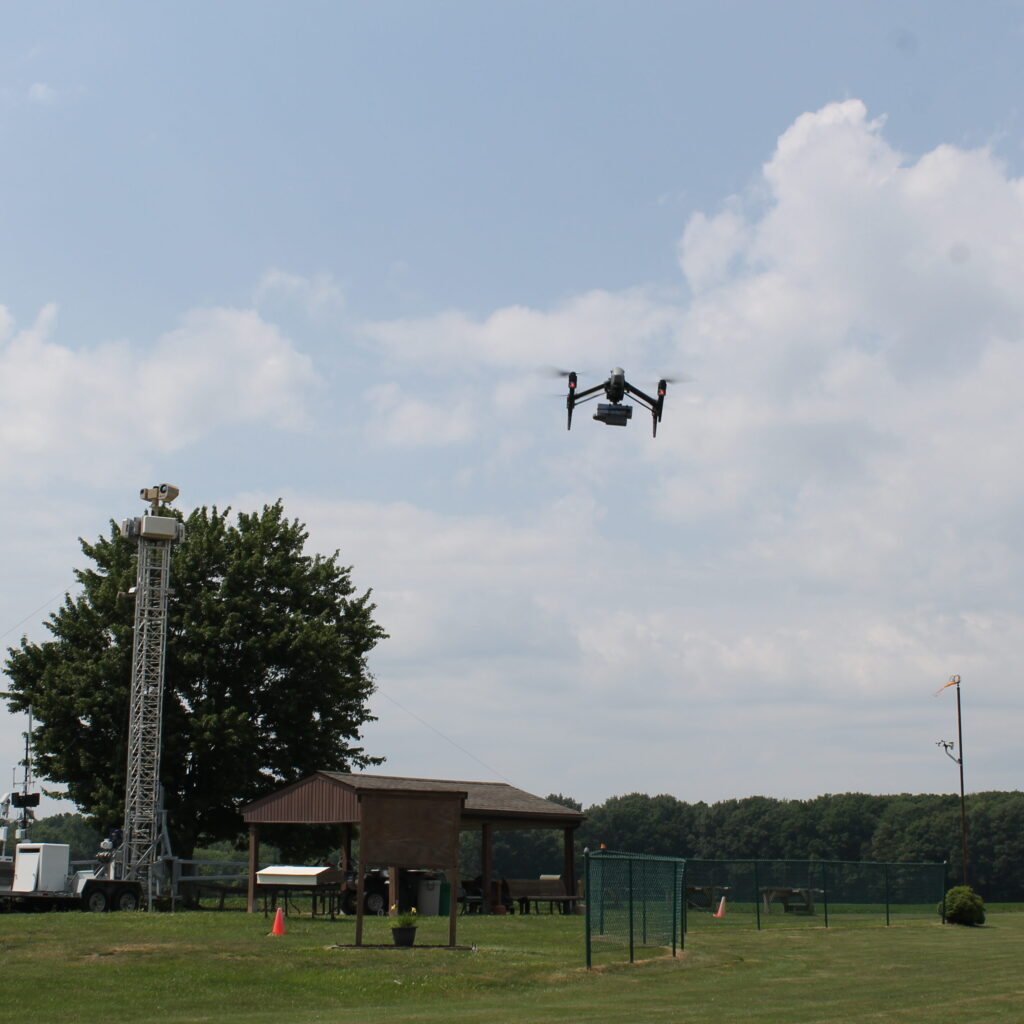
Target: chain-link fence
[{"x": 635, "y": 901}]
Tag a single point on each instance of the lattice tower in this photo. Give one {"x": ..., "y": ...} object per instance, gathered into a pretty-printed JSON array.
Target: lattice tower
[
  {"x": 145, "y": 726},
  {"x": 143, "y": 839}
]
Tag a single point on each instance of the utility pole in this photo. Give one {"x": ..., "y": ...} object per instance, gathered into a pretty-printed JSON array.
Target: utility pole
[
  {"x": 948, "y": 746},
  {"x": 144, "y": 838}
]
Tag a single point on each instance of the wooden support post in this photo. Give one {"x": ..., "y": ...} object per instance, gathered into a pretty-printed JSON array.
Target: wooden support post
[
  {"x": 392, "y": 890},
  {"x": 254, "y": 866},
  {"x": 346, "y": 847},
  {"x": 569, "y": 862},
  {"x": 360, "y": 896},
  {"x": 453, "y": 901},
  {"x": 486, "y": 865}
]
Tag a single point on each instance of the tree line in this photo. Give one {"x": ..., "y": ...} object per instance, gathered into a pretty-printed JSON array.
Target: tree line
[{"x": 845, "y": 826}]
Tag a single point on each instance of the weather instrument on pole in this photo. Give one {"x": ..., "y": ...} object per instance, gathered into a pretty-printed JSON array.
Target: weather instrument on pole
[
  {"x": 144, "y": 837},
  {"x": 613, "y": 413}
]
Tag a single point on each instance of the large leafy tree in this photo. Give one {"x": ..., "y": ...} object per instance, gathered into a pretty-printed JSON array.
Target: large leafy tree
[{"x": 266, "y": 675}]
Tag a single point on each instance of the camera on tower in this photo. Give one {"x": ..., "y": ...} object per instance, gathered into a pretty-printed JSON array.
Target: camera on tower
[{"x": 159, "y": 492}]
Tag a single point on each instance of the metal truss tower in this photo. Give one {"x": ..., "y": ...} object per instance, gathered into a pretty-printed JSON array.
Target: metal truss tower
[{"x": 144, "y": 835}]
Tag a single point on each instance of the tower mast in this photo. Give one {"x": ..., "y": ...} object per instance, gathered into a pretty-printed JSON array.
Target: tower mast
[{"x": 155, "y": 535}]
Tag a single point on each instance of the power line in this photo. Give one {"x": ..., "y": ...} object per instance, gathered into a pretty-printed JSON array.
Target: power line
[
  {"x": 458, "y": 746},
  {"x": 35, "y": 611}
]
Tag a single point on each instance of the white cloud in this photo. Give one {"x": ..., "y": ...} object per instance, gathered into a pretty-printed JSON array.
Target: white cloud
[
  {"x": 597, "y": 330},
  {"x": 40, "y": 92},
  {"x": 856, "y": 356},
  {"x": 79, "y": 413},
  {"x": 399, "y": 418},
  {"x": 317, "y": 296}
]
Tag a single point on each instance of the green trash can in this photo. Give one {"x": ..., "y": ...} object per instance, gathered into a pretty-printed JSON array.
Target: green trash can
[{"x": 445, "y": 901}]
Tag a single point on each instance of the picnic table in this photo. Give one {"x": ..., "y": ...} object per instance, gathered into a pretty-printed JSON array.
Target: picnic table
[
  {"x": 527, "y": 891},
  {"x": 793, "y": 900},
  {"x": 706, "y": 897}
]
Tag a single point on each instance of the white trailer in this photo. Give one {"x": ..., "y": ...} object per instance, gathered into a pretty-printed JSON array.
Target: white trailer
[{"x": 43, "y": 881}]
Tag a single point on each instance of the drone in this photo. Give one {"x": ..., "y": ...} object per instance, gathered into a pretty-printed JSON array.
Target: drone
[{"x": 613, "y": 413}]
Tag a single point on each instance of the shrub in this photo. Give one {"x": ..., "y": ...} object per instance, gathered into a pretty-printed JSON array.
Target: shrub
[{"x": 964, "y": 906}]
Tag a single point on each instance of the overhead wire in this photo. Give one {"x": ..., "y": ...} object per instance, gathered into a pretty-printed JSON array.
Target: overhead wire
[
  {"x": 35, "y": 611},
  {"x": 448, "y": 739}
]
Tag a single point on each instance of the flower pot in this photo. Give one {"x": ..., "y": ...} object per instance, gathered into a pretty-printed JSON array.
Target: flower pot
[{"x": 404, "y": 936}]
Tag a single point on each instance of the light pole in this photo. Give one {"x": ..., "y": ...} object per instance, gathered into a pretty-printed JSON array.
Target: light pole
[{"x": 948, "y": 747}]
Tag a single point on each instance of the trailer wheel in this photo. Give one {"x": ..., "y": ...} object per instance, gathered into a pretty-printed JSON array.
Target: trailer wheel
[
  {"x": 127, "y": 899},
  {"x": 375, "y": 903},
  {"x": 95, "y": 900}
]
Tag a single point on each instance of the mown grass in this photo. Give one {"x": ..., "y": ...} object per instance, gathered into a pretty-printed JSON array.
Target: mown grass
[{"x": 225, "y": 968}]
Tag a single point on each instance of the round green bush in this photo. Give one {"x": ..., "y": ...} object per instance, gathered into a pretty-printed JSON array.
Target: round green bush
[{"x": 964, "y": 906}]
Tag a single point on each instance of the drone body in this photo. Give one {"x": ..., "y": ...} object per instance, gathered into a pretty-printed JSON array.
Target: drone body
[{"x": 613, "y": 413}]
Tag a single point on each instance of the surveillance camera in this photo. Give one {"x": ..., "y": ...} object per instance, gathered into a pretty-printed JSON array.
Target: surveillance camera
[{"x": 159, "y": 492}]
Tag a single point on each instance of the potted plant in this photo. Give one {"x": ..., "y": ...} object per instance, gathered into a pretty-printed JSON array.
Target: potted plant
[{"x": 403, "y": 927}]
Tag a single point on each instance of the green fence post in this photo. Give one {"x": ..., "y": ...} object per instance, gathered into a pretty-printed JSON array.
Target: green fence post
[
  {"x": 684, "y": 921},
  {"x": 586, "y": 896},
  {"x": 757, "y": 896},
  {"x": 885, "y": 880},
  {"x": 630, "y": 863},
  {"x": 824, "y": 888},
  {"x": 675, "y": 905},
  {"x": 643, "y": 902}
]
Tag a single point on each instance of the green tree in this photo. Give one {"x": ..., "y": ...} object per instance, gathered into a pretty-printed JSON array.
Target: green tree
[
  {"x": 639, "y": 823},
  {"x": 266, "y": 673},
  {"x": 73, "y": 829},
  {"x": 519, "y": 853}
]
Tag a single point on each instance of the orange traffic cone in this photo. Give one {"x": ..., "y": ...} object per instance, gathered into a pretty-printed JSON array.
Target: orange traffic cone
[
  {"x": 278, "y": 928},
  {"x": 720, "y": 912}
]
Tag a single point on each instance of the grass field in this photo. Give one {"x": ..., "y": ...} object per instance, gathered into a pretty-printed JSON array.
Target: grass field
[{"x": 225, "y": 967}]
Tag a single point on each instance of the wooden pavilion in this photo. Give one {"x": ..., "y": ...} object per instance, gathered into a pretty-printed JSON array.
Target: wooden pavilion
[{"x": 409, "y": 823}]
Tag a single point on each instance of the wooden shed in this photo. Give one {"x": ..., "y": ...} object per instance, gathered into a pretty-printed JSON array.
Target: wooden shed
[{"x": 409, "y": 823}]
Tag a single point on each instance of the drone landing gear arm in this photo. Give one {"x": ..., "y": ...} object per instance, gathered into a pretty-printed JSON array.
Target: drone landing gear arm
[
  {"x": 573, "y": 398},
  {"x": 654, "y": 405}
]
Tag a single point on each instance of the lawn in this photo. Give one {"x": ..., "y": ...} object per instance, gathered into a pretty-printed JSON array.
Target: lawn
[{"x": 225, "y": 967}]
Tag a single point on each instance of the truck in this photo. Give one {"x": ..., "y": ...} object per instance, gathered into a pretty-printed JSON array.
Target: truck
[{"x": 40, "y": 878}]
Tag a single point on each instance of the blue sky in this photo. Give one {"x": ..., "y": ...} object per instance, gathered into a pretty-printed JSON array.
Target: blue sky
[{"x": 322, "y": 252}]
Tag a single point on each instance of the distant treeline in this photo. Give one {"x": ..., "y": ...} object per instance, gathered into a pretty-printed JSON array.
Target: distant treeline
[{"x": 847, "y": 826}]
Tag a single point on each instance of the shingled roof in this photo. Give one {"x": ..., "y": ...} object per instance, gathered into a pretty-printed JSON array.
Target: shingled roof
[
  {"x": 494, "y": 803},
  {"x": 483, "y": 799}
]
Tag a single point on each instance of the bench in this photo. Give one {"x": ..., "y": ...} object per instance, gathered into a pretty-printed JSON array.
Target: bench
[
  {"x": 803, "y": 899},
  {"x": 551, "y": 891},
  {"x": 706, "y": 897},
  {"x": 470, "y": 900}
]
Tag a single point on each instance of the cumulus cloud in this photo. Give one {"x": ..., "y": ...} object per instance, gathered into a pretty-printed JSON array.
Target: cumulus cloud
[
  {"x": 593, "y": 329},
  {"x": 857, "y": 331},
  {"x": 400, "y": 418},
  {"x": 317, "y": 296},
  {"x": 77, "y": 412}
]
